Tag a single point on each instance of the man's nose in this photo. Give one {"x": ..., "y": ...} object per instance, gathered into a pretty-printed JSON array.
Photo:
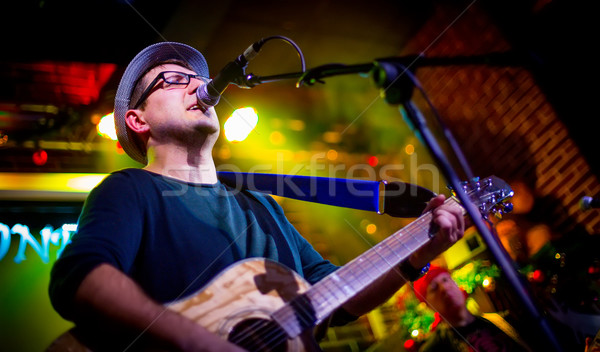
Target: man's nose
[
  {"x": 443, "y": 288},
  {"x": 194, "y": 84}
]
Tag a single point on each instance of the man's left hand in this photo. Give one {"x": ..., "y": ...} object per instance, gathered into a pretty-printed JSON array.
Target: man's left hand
[{"x": 450, "y": 224}]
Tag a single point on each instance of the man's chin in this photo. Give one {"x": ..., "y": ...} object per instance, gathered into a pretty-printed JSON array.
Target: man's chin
[{"x": 208, "y": 128}]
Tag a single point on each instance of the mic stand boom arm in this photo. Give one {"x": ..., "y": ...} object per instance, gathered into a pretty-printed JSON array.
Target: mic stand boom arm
[
  {"x": 309, "y": 77},
  {"x": 314, "y": 75}
]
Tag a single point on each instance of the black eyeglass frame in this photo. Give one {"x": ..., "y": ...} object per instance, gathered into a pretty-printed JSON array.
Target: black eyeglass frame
[{"x": 160, "y": 76}]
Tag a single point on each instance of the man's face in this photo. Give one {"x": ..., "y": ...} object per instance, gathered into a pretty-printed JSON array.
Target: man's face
[
  {"x": 443, "y": 295},
  {"x": 172, "y": 111}
]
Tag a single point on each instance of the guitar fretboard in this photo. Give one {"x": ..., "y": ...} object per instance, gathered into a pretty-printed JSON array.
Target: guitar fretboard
[{"x": 337, "y": 288}]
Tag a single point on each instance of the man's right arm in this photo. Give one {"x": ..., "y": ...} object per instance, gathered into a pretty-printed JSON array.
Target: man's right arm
[{"x": 111, "y": 297}]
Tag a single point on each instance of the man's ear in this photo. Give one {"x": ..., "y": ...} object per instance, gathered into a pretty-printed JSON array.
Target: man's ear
[{"x": 136, "y": 122}]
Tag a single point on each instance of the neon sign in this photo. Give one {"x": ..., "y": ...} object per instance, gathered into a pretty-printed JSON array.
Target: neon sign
[{"x": 48, "y": 235}]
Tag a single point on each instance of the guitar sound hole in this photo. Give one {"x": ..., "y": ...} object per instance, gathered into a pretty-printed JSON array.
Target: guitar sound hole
[{"x": 259, "y": 335}]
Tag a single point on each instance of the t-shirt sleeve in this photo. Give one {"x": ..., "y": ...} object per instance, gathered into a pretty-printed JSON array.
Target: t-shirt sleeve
[{"x": 109, "y": 231}]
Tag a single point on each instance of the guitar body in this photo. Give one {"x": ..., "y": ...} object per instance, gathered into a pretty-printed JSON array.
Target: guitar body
[
  {"x": 236, "y": 305},
  {"x": 240, "y": 300}
]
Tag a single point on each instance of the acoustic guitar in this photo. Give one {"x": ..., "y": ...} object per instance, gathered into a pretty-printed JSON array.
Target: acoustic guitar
[{"x": 261, "y": 305}]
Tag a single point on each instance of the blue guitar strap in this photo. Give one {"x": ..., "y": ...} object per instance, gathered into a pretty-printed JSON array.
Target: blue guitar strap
[{"x": 396, "y": 199}]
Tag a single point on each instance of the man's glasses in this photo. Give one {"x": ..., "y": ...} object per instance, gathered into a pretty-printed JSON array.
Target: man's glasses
[{"x": 170, "y": 77}]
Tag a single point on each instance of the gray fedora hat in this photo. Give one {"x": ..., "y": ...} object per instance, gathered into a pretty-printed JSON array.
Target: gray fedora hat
[{"x": 140, "y": 65}]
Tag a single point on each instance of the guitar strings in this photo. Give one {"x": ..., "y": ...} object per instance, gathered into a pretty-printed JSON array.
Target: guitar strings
[
  {"x": 369, "y": 257},
  {"x": 288, "y": 313},
  {"x": 417, "y": 233},
  {"x": 274, "y": 335}
]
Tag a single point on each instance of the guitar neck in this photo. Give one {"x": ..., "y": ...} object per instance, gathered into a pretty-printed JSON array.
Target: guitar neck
[{"x": 337, "y": 288}]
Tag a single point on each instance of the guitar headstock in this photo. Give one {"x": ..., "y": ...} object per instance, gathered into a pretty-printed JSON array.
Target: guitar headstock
[{"x": 490, "y": 195}]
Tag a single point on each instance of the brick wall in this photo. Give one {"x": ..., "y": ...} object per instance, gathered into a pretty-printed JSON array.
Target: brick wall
[{"x": 502, "y": 119}]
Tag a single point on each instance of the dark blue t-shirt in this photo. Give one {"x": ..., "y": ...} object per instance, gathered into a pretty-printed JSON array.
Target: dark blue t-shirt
[{"x": 172, "y": 237}]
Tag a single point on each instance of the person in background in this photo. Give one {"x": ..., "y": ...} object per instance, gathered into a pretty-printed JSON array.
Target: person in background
[{"x": 459, "y": 329}]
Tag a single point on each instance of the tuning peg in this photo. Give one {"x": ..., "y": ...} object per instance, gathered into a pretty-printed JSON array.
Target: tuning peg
[
  {"x": 468, "y": 186},
  {"x": 502, "y": 209},
  {"x": 498, "y": 213},
  {"x": 474, "y": 184}
]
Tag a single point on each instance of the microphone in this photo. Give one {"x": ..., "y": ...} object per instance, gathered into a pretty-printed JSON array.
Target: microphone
[
  {"x": 209, "y": 94},
  {"x": 587, "y": 203}
]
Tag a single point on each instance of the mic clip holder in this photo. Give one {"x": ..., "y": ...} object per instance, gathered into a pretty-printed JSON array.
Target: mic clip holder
[
  {"x": 315, "y": 75},
  {"x": 394, "y": 77},
  {"x": 250, "y": 80}
]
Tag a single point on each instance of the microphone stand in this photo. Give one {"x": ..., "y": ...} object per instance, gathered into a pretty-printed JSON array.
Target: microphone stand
[
  {"x": 497, "y": 251},
  {"x": 393, "y": 75},
  {"x": 399, "y": 91}
]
